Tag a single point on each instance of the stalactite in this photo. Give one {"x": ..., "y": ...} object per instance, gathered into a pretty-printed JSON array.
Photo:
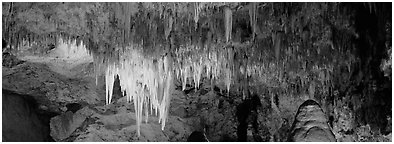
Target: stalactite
[
  {"x": 228, "y": 17},
  {"x": 197, "y": 10},
  {"x": 145, "y": 82},
  {"x": 168, "y": 27},
  {"x": 253, "y": 18},
  {"x": 109, "y": 80}
]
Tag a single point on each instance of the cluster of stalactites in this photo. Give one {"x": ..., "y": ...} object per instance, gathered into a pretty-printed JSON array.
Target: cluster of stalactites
[
  {"x": 145, "y": 81},
  {"x": 227, "y": 65},
  {"x": 217, "y": 64},
  {"x": 195, "y": 62}
]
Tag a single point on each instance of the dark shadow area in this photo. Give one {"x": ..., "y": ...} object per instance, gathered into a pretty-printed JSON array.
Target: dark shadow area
[
  {"x": 247, "y": 114},
  {"x": 197, "y": 136},
  {"x": 22, "y": 120}
]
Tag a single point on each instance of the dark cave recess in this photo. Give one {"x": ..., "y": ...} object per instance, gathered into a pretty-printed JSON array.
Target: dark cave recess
[{"x": 22, "y": 120}]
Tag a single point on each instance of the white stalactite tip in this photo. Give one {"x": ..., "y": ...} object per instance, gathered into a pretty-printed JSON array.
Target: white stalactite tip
[{"x": 142, "y": 79}]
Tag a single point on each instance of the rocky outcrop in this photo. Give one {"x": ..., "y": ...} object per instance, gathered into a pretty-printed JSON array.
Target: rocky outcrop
[
  {"x": 48, "y": 88},
  {"x": 311, "y": 124},
  {"x": 64, "y": 125},
  {"x": 10, "y": 60}
]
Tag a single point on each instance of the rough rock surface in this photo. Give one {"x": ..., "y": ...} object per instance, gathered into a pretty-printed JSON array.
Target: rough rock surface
[
  {"x": 50, "y": 89},
  {"x": 64, "y": 125},
  {"x": 9, "y": 60},
  {"x": 115, "y": 122},
  {"x": 209, "y": 109}
]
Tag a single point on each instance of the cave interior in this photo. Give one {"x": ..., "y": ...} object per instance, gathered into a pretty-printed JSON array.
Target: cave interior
[{"x": 195, "y": 71}]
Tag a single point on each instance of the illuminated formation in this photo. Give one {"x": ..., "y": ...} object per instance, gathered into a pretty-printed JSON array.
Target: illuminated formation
[
  {"x": 145, "y": 81},
  {"x": 194, "y": 62}
]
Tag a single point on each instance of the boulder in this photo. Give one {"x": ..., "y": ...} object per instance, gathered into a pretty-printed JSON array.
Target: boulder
[{"x": 64, "y": 125}]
